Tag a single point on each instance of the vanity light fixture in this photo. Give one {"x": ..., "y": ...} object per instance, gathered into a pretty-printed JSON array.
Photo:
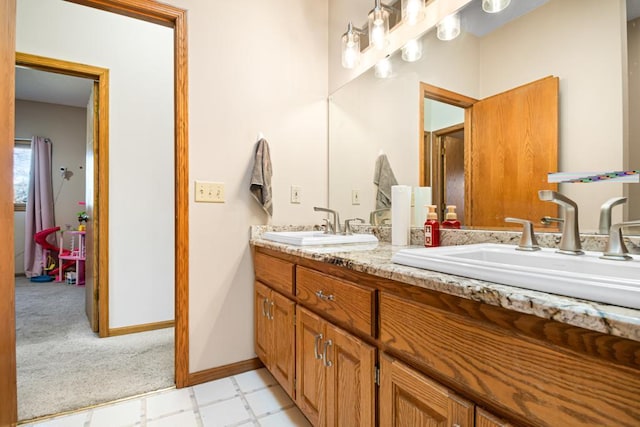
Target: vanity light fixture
[
  {"x": 449, "y": 27},
  {"x": 383, "y": 68},
  {"x": 351, "y": 47},
  {"x": 412, "y": 51},
  {"x": 412, "y": 11},
  {"x": 378, "y": 25},
  {"x": 495, "y": 6}
]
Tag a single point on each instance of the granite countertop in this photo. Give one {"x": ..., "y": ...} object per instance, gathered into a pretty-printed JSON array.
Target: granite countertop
[{"x": 375, "y": 259}]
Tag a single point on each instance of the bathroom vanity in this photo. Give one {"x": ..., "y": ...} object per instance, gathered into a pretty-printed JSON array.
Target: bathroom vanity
[{"x": 357, "y": 340}]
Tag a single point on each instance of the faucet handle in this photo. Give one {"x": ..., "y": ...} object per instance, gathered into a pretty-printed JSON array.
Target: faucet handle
[
  {"x": 605, "y": 213},
  {"x": 528, "y": 240},
  {"x": 347, "y": 224},
  {"x": 616, "y": 249}
]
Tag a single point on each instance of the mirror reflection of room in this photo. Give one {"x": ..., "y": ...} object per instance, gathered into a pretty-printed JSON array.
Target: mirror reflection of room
[{"x": 488, "y": 58}]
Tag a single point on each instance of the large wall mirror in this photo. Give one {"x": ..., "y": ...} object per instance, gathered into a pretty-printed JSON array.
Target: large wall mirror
[{"x": 592, "y": 47}]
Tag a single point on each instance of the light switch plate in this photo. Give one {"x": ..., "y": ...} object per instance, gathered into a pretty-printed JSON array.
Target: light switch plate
[
  {"x": 355, "y": 197},
  {"x": 209, "y": 192},
  {"x": 296, "y": 194}
]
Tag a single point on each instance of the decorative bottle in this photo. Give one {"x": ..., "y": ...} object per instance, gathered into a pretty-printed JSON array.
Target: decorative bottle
[
  {"x": 451, "y": 218},
  {"x": 431, "y": 228}
]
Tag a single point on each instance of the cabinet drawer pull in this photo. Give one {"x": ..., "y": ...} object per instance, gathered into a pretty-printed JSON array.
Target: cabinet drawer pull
[
  {"x": 321, "y": 295},
  {"x": 316, "y": 352},
  {"x": 270, "y": 310},
  {"x": 328, "y": 363},
  {"x": 264, "y": 310}
]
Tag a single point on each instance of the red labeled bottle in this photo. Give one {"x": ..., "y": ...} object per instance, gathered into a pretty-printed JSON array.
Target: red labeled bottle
[
  {"x": 451, "y": 218},
  {"x": 431, "y": 228}
]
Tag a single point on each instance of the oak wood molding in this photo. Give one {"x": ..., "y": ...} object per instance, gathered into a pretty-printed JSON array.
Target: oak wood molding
[
  {"x": 100, "y": 200},
  {"x": 175, "y": 18},
  {"x": 141, "y": 328},
  {"x": 445, "y": 96},
  {"x": 212, "y": 374},
  {"x": 8, "y": 390}
]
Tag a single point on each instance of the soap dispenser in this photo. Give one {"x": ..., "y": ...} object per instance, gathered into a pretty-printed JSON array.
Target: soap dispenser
[
  {"x": 451, "y": 218},
  {"x": 431, "y": 228}
]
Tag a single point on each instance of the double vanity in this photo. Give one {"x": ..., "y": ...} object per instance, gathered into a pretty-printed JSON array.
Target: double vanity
[{"x": 365, "y": 333}]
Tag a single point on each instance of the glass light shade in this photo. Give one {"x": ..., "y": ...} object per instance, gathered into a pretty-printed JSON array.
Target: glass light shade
[
  {"x": 350, "y": 49},
  {"x": 378, "y": 27},
  {"x": 495, "y": 6},
  {"x": 412, "y": 51},
  {"x": 383, "y": 69},
  {"x": 449, "y": 27},
  {"x": 412, "y": 11}
]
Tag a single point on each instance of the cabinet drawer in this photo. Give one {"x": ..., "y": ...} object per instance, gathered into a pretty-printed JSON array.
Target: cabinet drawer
[
  {"x": 346, "y": 302},
  {"x": 500, "y": 366},
  {"x": 274, "y": 272}
]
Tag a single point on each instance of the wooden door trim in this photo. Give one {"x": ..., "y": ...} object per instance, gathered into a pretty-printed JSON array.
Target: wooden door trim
[
  {"x": 8, "y": 385},
  {"x": 100, "y": 250},
  {"x": 175, "y": 18}
]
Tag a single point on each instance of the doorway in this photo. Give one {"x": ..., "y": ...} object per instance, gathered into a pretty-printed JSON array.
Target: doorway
[
  {"x": 447, "y": 154},
  {"x": 157, "y": 13}
]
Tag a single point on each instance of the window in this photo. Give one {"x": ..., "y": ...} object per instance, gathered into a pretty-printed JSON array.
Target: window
[{"x": 21, "y": 172}]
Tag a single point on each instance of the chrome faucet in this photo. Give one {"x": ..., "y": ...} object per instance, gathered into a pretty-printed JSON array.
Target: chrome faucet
[
  {"x": 548, "y": 220},
  {"x": 528, "y": 240},
  {"x": 616, "y": 249},
  {"x": 347, "y": 225},
  {"x": 333, "y": 226},
  {"x": 570, "y": 241},
  {"x": 605, "y": 213}
]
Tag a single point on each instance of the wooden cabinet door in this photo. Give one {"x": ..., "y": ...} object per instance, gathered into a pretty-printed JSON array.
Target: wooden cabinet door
[
  {"x": 310, "y": 390},
  {"x": 486, "y": 419},
  {"x": 282, "y": 364},
  {"x": 262, "y": 330},
  {"x": 350, "y": 388},
  {"x": 408, "y": 398}
]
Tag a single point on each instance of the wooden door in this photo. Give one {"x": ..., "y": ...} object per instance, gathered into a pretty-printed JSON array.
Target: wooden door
[
  {"x": 310, "y": 390},
  {"x": 486, "y": 419},
  {"x": 408, "y": 398},
  {"x": 514, "y": 144},
  {"x": 283, "y": 344},
  {"x": 350, "y": 390},
  {"x": 8, "y": 392},
  {"x": 90, "y": 288},
  {"x": 453, "y": 171},
  {"x": 262, "y": 330}
]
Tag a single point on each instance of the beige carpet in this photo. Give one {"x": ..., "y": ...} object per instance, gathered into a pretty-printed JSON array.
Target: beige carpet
[{"x": 62, "y": 365}]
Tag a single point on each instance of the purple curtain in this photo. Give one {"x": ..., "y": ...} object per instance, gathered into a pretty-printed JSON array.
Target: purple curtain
[{"x": 39, "y": 213}]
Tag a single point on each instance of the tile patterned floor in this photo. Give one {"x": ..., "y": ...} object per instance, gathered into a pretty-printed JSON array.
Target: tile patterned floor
[{"x": 246, "y": 400}]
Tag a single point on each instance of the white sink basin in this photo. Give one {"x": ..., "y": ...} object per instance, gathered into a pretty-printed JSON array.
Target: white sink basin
[
  {"x": 584, "y": 276},
  {"x": 307, "y": 238}
]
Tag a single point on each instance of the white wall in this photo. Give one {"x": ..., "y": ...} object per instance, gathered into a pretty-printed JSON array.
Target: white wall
[
  {"x": 66, "y": 127},
  {"x": 438, "y": 115},
  {"x": 253, "y": 67},
  {"x": 139, "y": 56}
]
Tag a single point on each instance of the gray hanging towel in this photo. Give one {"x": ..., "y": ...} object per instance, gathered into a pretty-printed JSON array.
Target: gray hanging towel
[
  {"x": 384, "y": 178},
  {"x": 261, "y": 177}
]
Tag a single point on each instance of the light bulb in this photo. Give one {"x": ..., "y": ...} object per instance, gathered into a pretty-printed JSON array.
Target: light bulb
[
  {"x": 378, "y": 27},
  {"x": 412, "y": 51},
  {"x": 449, "y": 27},
  {"x": 495, "y": 6},
  {"x": 383, "y": 69},
  {"x": 350, "y": 48},
  {"x": 412, "y": 11}
]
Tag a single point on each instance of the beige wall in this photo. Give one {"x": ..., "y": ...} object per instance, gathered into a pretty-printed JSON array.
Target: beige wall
[
  {"x": 253, "y": 67},
  {"x": 66, "y": 127}
]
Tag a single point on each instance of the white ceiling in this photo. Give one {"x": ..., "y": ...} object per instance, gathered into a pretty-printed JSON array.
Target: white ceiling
[
  {"x": 479, "y": 23},
  {"x": 41, "y": 86}
]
